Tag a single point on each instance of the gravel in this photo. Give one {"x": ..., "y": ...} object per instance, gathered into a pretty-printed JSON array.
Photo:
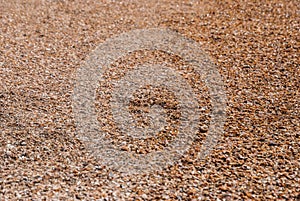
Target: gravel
[{"x": 255, "y": 46}]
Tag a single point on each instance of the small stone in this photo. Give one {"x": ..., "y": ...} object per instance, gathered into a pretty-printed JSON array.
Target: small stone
[{"x": 203, "y": 129}]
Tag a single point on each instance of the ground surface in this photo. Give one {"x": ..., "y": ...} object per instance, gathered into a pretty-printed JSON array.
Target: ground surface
[{"x": 255, "y": 46}]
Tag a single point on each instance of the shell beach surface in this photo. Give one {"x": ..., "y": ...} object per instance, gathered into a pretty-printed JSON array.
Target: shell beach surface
[{"x": 254, "y": 49}]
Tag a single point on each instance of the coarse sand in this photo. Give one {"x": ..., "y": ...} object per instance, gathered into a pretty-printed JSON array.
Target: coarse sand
[{"x": 255, "y": 46}]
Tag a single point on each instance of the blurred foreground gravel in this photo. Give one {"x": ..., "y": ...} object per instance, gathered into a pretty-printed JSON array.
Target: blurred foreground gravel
[{"x": 255, "y": 46}]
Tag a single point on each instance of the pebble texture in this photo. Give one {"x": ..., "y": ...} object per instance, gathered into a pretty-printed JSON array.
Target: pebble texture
[{"x": 254, "y": 44}]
